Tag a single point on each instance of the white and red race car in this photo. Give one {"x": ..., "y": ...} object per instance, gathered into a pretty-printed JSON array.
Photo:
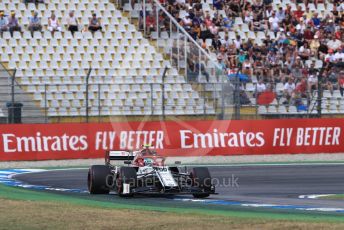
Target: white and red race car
[{"x": 146, "y": 173}]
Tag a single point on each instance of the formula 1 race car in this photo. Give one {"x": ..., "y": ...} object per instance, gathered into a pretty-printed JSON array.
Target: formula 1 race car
[{"x": 146, "y": 173}]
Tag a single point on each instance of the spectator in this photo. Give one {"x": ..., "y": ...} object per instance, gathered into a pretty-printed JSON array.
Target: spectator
[
  {"x": 247, "y": 67},
  {"x": 330, "y": 27},
  {"x": 305, "y": 52},
  {"x": 186, "y": 22},
  {"x": 13, "y": 23},
  {"x": 268, "y": 11},
  {"x": 34, "y": 23},
  {"x": 191, "y": 70},
  {"x": 95, "y": 24},
  {"x": 307, "y": 15},
  {"x": 274, "y": 23},
  {"x": 260, "y": 87},
  {"x": 216, "y": 42},
  {"x": 150, "y": 23},
  {"x": 280, "y": 14},
  {"x": 237, "y": 42},
  {"x": 244, "y": 99},
  {"x": 72, "y": 23},
  {"x": 53, "y": 24},
  {"x": 327, "y": 84},
  {"x": 314, "y": 46},
  {"x": 241, "y": 57},
  {"x": 218, "y": 4},
  {"x": 298, "y": 13},
  {"x": 301, "y": 88},
  {"x": 329, "y": 57},
  {"x": 308, "y": 34},
  {"x": 334, "y": 43},
  {"x": 220, "y": 69},
  {"x": 341, "y": 83},
  {"x": 312, "y": 82},
  {"x": 199, "y": 67},
  {"x": 301, "y": 26},
  {"x": 3, "y": 23},
  {"x": 315, "y": 20},
  {"x": 289, "y": 88}
]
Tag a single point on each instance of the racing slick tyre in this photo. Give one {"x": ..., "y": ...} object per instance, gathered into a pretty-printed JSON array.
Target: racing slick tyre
[
  {"x": 201, "y": 178},
  {"x": 97, "y": 179},
  {"x": 126, "y": 175}
]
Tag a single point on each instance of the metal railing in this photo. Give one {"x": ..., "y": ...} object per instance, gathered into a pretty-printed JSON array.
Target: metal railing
[
  {"x": 54, "y": 102},
  {"x": 172, "y": 39},
  {"x": 231, "y": 100}
]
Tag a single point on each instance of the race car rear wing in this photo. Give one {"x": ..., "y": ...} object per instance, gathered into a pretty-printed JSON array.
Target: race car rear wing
[{"x": 118, "y": 155}]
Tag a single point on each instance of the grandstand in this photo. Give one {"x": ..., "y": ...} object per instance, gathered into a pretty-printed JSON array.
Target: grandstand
[
  {"x": 126, "y": 69},
  {"x": 250, "y": 27},
  {"x": 200, "y": 43}
]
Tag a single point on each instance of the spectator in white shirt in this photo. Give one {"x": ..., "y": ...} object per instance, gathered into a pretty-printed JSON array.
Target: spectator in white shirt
[
  {"x": 280, "y": 14},
  {"x": 72, "y": 23},
  {"x": 260, "y": 87},
  {"x": 312, "y": 82},
  {"x": 53, "y": 24},
  {"x": 289, "y": 88},
  {"x": 274, "y": 22},
  {"x": 334, "y": 43}
]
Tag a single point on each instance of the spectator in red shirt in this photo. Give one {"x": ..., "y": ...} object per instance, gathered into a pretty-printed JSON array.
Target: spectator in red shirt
[
  {"x": 298, "y": 13},
  {"x": 150, "y": 23},
  {"x": 308, "y": 34},
  {"x": 341, "y": 83},
  {"x": 301, "y": 88}
]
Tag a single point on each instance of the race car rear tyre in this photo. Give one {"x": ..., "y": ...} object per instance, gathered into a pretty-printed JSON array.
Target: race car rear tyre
[
  {"x": 97, "y": 179},
  {"x": 201, "y": 178},
  {"x": 126, "y": 175}
]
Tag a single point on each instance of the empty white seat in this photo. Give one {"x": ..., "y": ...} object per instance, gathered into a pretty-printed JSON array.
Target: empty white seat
[
  {"x": 292, "y": 109},
  {"x": 119, "y": 54},
  {"x": 262, "y": 110}
]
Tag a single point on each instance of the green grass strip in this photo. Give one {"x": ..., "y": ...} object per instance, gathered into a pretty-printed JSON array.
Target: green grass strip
[
  {"x": 26, "y": 194},
  {"x": 334, "y": 197}
]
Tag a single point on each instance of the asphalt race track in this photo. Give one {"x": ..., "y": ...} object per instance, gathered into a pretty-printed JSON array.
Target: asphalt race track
[{"x": 264, "y": 184}]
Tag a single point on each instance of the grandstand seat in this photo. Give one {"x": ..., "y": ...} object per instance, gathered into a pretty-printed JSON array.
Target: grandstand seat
[{"x": 262, "y": 110}]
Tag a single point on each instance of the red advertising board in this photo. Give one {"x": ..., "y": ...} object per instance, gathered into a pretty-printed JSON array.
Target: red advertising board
[{"x": 171, "y": 138}]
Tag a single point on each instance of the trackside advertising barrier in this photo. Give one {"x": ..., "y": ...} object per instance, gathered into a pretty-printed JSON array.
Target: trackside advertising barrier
[{"x": 171, "y": 138}]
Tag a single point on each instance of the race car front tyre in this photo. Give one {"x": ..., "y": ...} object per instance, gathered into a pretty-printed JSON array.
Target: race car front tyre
[
  {"x": 97, "y": 178},
  {"x": 201, "y": 178},
  {"x": 126, "y": 176}
]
